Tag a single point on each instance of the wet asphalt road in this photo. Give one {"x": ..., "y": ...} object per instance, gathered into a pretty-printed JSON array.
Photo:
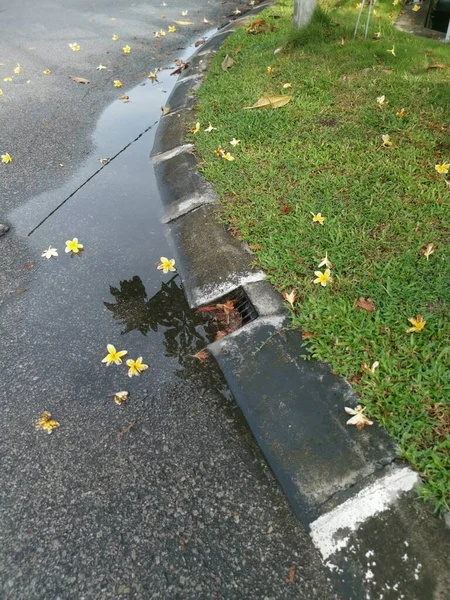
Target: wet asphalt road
[{"x": 166, "y": 496}]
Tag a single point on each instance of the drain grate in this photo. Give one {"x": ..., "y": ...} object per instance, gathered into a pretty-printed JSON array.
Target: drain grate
[
  {"x": 225, "y": 320},
  {"x": 242, "y": 304}
]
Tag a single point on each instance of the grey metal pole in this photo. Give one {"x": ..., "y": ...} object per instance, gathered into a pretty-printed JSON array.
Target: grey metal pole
[
  {"x": 447, "y": 36},
  {"x": 368, "y": 19},
  {"x": 303, "y": 12},
  {"x": 361, "y": 8}
]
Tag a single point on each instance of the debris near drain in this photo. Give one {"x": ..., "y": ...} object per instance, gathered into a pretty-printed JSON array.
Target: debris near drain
[
  {"x": 182, "y": 66},
  {"x": 201, "y": 355},
  {"x": 226, "y": 316}
]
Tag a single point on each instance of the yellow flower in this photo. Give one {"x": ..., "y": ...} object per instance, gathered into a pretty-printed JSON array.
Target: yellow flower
[
  {"x": 359, "y": 5},
  {"x": 392, "y": 51},
  {"x": 387, "y": 143},
  {"x": 196, "y": 128},
  {"x": 136, "y": 366},
  {"x": 323, "y": 278},
  {"x": 6, "y": 158},
  {"x": 325, "y": 262},
  {"x": 443, "y": 168},
  {"x": 401, "y": 113},
  {"x": 115, "y": 37},
  {"x": 18, "y": 69},
  {"x": 235, "y": 142},
  {"x": 1, "y": 92},
  {"x": 156, "y": 34},
  {"x": 126, "y": 49},
  {"x": 381, "y": 101},
  {"x": 46, "y": 423},
  {"x": 172, "y": 29},
  {"x": 117, "y": 83},
  {"x": 287, "y": 86},
  {"x": 220, "y": 152},
  {"x": 377, "y": 35},
  {"x": 358, "y": 419},
  {"x": 153, "y": 77},
  {"x": 73, "y": 246},
  {"x": 50, "y": 252},
  {"x": 270, "y": 70},
  {"x": 184, "y": 13},
  {"x": 417, "y": 324},
  {"x": 46, "y": 71},
  {"x": 162, "y": 32},
  {"x": 75, "y": 47},
  {"x": 210, "y": 128},
  {"x": 429, "y": 250},
  {"x": 120, "y": 397},
  {"x": 318, "y": 218},
  {"x": 113, "y": 356},
  {"x": 7, "y": 79},
  {"x": 396, "y": 2},
  {"x": 166, "y": 264},
  {"x": 416, "y": 8},
  {"x": 227, "y": 156},
  {"x": 101, "y": 67}
]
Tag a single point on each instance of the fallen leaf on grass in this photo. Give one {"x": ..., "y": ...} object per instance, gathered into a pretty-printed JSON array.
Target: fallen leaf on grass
[
  {"x": 120, "y": 397},
  {"x": 307, "y": 334},
  {"x": 46, "y": 423},
  {"x": 428, "y": 251},
  {"x": 358, "y": 419},
  {"x": 276, "y": 101},
  {"x": 79, "y": 79},
  {"x": 291, "y": 576},
  {"x": 365, "y": 303},
  {"x": 256, "y": 27},
  {"x": 436, "y": 66},
  {"x": 291, "y": 297},
  {"x": 201, "y": 355},
  {"x": 286, "y": 209},
  {"x": 255, "y": 247},
  {"x": 227, "y": 63}
]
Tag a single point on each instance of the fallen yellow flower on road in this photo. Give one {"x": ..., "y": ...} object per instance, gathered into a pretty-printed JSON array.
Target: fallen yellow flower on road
[
  {"x": 46, "y": 423},
  {"x": 50, "y": 252},
  {"x": 196, "y": 128},
  {"x": 156, "y": 34},
  {"x": 75, "y": 47},
  {"x": 166, "y": 264},
  {"x": 443, "y": 168},
  {"x": 136, "y": 366},
  {"x": 172, "y": 28},
  {"x": 184, "y": 13},
  {"x": 227, "y": 156},
  {"x": 120, "y": 397},
  {"x": 392, "y": 51},
  {"x": 7, "y": 79},
  {"x": 318, "y": 218},
  {"x": 162, "y": 32},
  {"x": 73, "y": 246},
  {"x": 46, "y": 71},
  {"x": 417, "y": 324},
  {"x": 115, "y": 37},
  {"x": 416, "y": 8},
  {"x": 113, "y": 356},
  {"x": 126, "y": 49},
  {"x": 323, "y": 278},
  {"x": 153, "y": 77},
  {"x": 117, "y": 83},
  {"x": 359, "y": 418},
  {"x": 387, "y": 143},
  {"x": 6, "y": 158},
  {"x": 1, "y": 92},
  {"x": 18, "y": 69}
]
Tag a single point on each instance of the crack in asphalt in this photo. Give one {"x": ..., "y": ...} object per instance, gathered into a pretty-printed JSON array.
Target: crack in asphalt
[{"x": 91, "y": 177}]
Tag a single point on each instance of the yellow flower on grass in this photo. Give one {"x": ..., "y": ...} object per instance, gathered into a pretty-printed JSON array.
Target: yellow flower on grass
[
  {"x": 235, "y": 142},
  {"x": 73, "y": 246},
  {"x": 318, "y": 218},
  {"x": 286, "y": 86},
  {"x": 50, "y": 252},
  {"x": 442, "y": 168},
  {"x": 166, "y": 264},
  {"x": 46, "y": 71},
  {"x": 117, "y": 83},
  {"x": 210, "y": 128},
  {"x": 392, "y": 51},
  {"x": 196, "y": 128},
  {"x": 323, "y": 278},
  {"x": 113, "y": 356},
  {"x": 387, "y": 142},
  {"x": 115, "y": 37},
  {"x": 220, "y": 152},
  {"x": 136, "y": 366},
  {"x": 416, "y": 8},
  {"x": 46, "y": 423},
  {"x": 126, "y": 49},
  {"x": 396, "y": 2},
  {"x": 227, "y": 156},
  {"x": 6, "y": 158},
  {"x": 75, "y": 47},
  {"x": 417, "y": 324},
  {"x": 401, "y": 113},
  {"x": 18, "y": 69},
  {"x": 325, "y": 262},
  {"x": 270, "y": 70},
  {"x": 381, "y": 101},
  {"x": 172, "y": 28}
]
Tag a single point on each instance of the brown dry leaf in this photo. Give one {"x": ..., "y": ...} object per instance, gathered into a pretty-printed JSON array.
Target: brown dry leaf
[
  {"x": 165, "y": 110},
  {"x": 257, "y": 26},
  {"x": 20, "y": 291},
  {"x": 307, "y": 334},
  {"x": 286, "y": 209},
  {"x": 79, "y": 79},
  {"x": 182, "y": 66},
  {"x": 366, "y": 304},
  {"x": 428, "y": 251},
  {"x": 255, "y": 247},
  {"x": 291, "y": 297},
  {"x": 275, "y": 101},
  {"x": 227, "y": 307},
  {"x": 220, "y": 335},
  {"x": 291, "y": 577},
  {"x": 436, "y": 66},
  {"x": 227, "y": 63},
  {"x": 201, "y": 355},
  {"x": 126, "y": 429},
  {"x": 200, "y": 42},
  {"x": 28, "y": 265}
]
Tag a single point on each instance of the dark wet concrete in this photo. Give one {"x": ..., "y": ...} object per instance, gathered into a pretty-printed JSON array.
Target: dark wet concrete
[{"x": 168, "y": 495}]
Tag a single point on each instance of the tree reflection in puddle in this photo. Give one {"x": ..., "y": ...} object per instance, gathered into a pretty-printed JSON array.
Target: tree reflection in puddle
[{"x": 185, "y": 333}]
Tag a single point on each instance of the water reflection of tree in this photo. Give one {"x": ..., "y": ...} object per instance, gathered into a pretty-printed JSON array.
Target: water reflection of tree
[{"x": 184, "y": 331}]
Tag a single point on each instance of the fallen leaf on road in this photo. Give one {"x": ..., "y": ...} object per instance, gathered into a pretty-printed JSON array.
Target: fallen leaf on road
[
  {"x": 126, "y": 429},
  {"x": 227, "y": 63},
  {"x": 291, "y": 576},
  {"x": 79, "y": 79},
  {"x": 199, "y": 42},
  {"x": 201, "y": 355},
  {"x": 20, "y": 291},
  {"x": 275, "y": 101},
  {"x": 182, "y": 66},
  {"x": 104, "y": 161},
  {"x": 227, "y": 307},
  {"x": 46, "y": 423},
  {"x": 28, "y": 265},
  {"x": 182, "y": 23},
  {"x": 358, "y": 419},
  {"x": 120, "y": 397},
  {"x": 365, "y": 303}
]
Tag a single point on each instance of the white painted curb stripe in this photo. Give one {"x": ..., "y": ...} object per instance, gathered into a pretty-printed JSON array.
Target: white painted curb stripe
[{"x": 331, "y": 531}]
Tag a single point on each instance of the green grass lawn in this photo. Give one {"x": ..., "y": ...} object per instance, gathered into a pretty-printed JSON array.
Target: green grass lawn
[{"x": 323, "y": 153}]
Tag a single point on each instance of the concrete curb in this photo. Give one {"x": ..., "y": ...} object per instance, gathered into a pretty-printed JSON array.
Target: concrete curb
[{"x": 347, "y": 487}]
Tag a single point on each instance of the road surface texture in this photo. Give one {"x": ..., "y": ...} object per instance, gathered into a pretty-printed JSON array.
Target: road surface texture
[{"x": 166, "y": 496}]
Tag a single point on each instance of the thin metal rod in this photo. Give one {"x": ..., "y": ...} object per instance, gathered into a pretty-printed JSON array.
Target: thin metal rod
[
  {"x": 368, "y": 19},
  {"x": 359, "y": 17},
  {"x": 447, "y": 37}
]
